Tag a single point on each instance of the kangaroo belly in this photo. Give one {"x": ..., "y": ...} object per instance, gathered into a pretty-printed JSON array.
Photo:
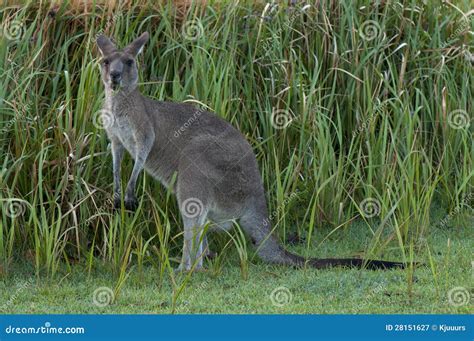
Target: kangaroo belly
[
  {"x": 161, "y": 165},
  {"x": 129, "y": 144}
]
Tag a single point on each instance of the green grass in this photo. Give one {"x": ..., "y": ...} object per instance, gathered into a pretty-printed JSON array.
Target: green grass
[
  {"x": 312, "y": 291},
  {"x": 383, "y": 119}
]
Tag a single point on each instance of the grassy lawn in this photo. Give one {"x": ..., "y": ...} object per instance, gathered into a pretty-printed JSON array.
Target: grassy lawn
[{"x": 294, "y": 291}]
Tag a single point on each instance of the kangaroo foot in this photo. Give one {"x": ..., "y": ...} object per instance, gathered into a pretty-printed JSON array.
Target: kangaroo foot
[{"x": 131, "y": 204}]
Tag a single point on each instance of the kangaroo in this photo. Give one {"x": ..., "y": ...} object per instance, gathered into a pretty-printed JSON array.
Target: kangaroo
[{"x": 218, "y": 179}]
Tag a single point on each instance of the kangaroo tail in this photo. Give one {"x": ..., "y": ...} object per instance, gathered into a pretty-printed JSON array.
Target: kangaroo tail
[
  {"x": 272, "y": 252},
  {"x": 323, "y": 263},
  {"x": 270, "y": 249}
]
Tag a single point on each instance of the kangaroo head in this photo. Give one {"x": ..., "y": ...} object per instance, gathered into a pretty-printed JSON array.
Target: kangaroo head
[{"x": 119, "y": 67}]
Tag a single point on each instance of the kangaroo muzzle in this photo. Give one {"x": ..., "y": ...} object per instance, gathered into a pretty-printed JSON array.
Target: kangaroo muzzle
[{"x": 115, "y": 79}]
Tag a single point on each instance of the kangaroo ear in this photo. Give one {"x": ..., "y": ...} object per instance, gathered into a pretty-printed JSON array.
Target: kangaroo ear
[
  {"x": 105, "y": 45},
  {"x": 136, "y": 46}
]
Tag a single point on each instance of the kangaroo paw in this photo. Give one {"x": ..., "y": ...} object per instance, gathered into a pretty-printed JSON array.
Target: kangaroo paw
[{"x": 131, "y": 204}]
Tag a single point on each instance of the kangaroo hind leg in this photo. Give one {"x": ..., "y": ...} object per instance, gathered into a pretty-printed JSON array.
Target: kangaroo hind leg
[{"x": 194, "y": 217}]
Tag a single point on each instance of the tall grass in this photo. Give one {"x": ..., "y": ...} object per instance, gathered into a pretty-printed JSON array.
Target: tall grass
[{"x": 361, "y": 122}]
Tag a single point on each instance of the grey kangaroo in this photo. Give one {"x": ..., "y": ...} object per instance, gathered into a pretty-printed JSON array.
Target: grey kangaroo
[{"x": 217, "y": 179}]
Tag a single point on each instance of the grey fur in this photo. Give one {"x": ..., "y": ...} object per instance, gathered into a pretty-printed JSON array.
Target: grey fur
[{"x": 217, "y": 173}]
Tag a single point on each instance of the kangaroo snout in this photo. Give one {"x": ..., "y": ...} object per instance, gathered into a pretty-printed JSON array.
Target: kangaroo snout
[
  {"x": 115, "y": 76},
  {"x": 115, "y": 79}
]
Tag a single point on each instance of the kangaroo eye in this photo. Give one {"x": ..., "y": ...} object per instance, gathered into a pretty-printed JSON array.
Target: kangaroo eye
[
  {"x": 105, "y": 62},
  {"x": 129, "y": 62}
]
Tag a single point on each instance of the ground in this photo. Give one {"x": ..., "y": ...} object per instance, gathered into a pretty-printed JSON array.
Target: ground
[{"x": 267, "y": 289}]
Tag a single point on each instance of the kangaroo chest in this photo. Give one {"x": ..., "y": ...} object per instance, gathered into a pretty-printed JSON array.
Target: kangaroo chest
[
  {"x": 119, "y": 125},
  {"x": 121, "y": 128}
]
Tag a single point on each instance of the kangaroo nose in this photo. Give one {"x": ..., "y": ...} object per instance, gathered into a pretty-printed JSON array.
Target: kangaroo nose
[{"x": 115, "y": 75}]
